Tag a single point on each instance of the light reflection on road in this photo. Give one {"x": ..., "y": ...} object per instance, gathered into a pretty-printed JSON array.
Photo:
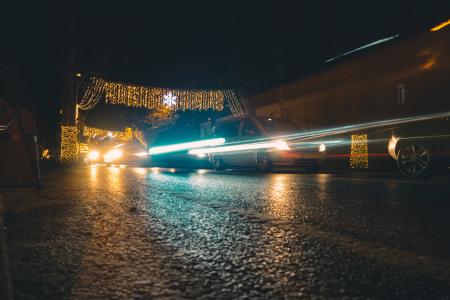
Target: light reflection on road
[{"x": 280, "y": 204}]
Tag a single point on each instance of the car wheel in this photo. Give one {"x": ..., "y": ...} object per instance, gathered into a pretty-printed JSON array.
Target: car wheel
[
  {"x": 414, "y": 161},
  {"x": 218, "y": 165},
  {"x": 263, "y": 162}
]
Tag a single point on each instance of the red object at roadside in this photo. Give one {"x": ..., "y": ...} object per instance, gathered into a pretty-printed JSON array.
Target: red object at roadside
[{"x": 19, "y": 164}]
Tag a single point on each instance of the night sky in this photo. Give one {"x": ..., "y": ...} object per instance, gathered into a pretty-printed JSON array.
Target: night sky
[{"x": 226, "y": 44}]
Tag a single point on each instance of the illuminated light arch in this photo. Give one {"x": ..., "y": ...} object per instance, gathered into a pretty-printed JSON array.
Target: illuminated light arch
[{"x": 155, "y": 97}]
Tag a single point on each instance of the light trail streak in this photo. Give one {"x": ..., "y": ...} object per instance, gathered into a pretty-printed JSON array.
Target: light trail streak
[
  {"x": 186, "y": 146},
  {"x": 440, "y": 26},
  {"x": 280, "y": 145},
  {"x": 380, "y": 41},
  {"x": 365, "y": 126},
  {"x": 297, "y": 137}
]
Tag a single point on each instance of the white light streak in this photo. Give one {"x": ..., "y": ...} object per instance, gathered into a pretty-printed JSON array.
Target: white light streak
[{"x": 186, "y": 146}]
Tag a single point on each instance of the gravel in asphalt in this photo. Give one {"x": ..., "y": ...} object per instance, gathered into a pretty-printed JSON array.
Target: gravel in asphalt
[{"x": 136, "y": 233}]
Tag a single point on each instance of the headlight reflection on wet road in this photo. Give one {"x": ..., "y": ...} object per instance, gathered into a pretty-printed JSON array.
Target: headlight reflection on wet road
[{"x": 279, "y": 201}]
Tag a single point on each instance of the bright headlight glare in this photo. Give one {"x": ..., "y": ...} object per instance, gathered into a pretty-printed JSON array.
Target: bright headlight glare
[
  {"x": 391, "y": 147},
  {"x": 322, "y": 147},
  {"x": 282, "y": 145},
  {"x": 93, "y": 155},
  {"x": 113, "y": 155}
]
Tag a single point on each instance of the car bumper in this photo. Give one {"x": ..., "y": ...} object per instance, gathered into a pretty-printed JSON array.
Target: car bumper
[{"x": 300, "y": 159}]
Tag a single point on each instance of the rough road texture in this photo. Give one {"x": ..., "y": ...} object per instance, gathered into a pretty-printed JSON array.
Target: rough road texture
[{"x": 111, "y": 233}]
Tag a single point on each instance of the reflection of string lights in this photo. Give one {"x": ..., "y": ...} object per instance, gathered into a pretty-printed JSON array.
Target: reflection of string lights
[
  {"x": 69, "y": 144},
  {"x": 359, "y": 158}
]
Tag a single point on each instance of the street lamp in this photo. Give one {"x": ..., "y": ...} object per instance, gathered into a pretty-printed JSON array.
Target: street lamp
[{"x": 78, "y": 81}]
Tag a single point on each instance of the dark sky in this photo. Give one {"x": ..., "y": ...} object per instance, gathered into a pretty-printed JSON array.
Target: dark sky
[{"x": 225, "y": 44}]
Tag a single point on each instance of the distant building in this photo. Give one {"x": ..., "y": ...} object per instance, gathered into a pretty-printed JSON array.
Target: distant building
[
  {"x": 400, "y": 76},
  {"x": 397, "y": 77}
]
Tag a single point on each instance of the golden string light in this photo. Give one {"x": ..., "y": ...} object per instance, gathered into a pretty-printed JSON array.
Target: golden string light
[
  {"x": 154, "y": 97},
  {"x": 237, "y": 108},
  {"x": 139, "y": 136},
  {"x": 359, "y": 153},
  {"x": 69, "y": 144},
  {"x": 92, "y": 94},
  {"x": 122, "y": 136}
]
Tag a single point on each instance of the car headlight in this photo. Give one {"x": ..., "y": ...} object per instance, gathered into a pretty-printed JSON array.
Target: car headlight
[
  {"x": 391, "y": 147},
  {"x": 93, "y": 155},
  {"x": 113, "y": 155},
  {"x": 322, "y": 147},
  {"x": 282, "y": 145}
]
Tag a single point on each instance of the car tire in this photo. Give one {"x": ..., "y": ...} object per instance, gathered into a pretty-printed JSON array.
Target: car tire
[
  {"x": 414, "y": 160},
  {"x": 263, "y": 162},
  {"x": 218, "y": 165}
]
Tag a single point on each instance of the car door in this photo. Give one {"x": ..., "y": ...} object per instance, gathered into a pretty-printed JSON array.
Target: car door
[
  {"x": 230, "y": 131},
  {"x": 250, "y": 132}
]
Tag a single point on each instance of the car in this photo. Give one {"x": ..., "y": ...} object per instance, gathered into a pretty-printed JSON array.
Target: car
[
  {"x": 166, "y": 149},
  {"x": 279, "y": 152},
  {"x": 111, "y": 152},
  {"x": 421, "y": 148}
]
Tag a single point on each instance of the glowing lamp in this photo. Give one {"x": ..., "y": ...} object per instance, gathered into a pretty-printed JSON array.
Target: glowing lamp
[
  {"x": 282, "y": 145},
  {"x": 391, "y": 147},
  {"x": 93, "y": 155},
  {"x": 322, "y": 147}
]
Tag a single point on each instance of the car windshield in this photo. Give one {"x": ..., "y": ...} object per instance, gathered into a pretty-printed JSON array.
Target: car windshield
[{"x": 276, "y": 125}]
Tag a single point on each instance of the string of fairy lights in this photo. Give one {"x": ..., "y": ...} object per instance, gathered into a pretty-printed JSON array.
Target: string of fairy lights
[
  {"x": 359, "y": 152},
  {"x": 69, "y": 144},
  {"x": 92, "y": 94},
  {"x": 122, "y": 136},
  {"x": 141, "y": 97},
  {"x": 154, "y": 97}
]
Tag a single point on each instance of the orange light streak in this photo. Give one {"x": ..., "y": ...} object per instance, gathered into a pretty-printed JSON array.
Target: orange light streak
[{"x": 440, "y": 26}]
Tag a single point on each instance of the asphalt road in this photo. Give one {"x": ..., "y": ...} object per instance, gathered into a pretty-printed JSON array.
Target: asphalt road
[{"x": 136, "y": 233}]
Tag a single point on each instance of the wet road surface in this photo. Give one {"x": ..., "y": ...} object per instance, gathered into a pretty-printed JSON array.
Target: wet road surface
[{"x": 110, "y": 232}]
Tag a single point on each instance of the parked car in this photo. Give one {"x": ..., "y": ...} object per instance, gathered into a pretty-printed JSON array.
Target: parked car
[
  {"x": 421, "y": 148},
  {"x": 251, "y": 130}
]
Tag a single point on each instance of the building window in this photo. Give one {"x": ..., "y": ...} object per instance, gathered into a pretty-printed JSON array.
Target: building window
[{"x": 401, "y": 93}]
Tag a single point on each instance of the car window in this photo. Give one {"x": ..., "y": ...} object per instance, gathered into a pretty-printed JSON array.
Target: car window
[
  {"x": 228, "y": 130},
  {"x": 276, "y": 125},
  {"x": 250, "y": 128}
]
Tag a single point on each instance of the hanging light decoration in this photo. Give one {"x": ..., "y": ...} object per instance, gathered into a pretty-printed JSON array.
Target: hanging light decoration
[
  {"x": 154, "y": 97},
  {"x": 359, "y": 152},
  {"x": 237, "y": 107},
  {"x": 92, "y": 94},
  {"x": 69, "y": 144},
  {"x": 122, "y": 136}
]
